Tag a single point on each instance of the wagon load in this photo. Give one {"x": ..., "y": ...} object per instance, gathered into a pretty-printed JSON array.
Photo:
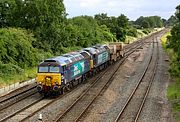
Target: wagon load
[{"x": 116, "y": 50}]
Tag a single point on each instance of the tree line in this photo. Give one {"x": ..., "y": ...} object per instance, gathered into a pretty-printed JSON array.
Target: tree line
[{"x": 32, "y": 30}]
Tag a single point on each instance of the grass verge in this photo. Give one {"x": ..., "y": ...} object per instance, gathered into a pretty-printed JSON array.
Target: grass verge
[{"x": 173, "y": 92}]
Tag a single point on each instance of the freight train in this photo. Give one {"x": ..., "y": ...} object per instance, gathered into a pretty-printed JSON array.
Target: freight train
[{"x": 55, "y": 75}]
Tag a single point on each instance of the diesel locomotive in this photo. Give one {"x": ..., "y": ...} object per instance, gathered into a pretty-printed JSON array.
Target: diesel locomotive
[{"x": 57, "y": 74}]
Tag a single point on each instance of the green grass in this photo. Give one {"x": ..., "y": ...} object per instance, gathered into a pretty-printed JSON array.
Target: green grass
[
  {"x": 10, "y": 79},
  {"x": 173, "y": 92},
  {"x": 174, "y": 97}
]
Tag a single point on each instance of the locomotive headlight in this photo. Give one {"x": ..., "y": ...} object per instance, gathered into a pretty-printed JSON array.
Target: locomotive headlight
[{"x": 39, "y": 82}]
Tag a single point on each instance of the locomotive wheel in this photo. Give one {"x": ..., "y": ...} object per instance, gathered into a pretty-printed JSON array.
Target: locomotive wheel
[
  {"x": 61, "y": 91},
  {"x": 71, "y": 85},
  {"x": 68, "y": 87}
]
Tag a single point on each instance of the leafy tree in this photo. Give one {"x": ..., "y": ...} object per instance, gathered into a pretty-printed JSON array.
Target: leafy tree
[
  {"x": 45, "y": 18},
  {"x": 149, "y": 22},
  {"x": 102, "y": 19},
  {"x": 172, "y": 20},
  {"x": 16, "y": 47},
  {"x": 117, "y": 25},
  {"x": 164, "y": 22},
  {"x": 145, "y": 24},
  {"x": 88, "y": 32},
  {"x": 174, "y": 40}
]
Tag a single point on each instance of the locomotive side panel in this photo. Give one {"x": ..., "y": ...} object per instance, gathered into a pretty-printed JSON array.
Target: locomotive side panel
[{"x": 77, "y": 69}]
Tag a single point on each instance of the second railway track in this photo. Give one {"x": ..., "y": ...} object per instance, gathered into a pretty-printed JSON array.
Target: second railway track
[{"x": 135, "y": 102}]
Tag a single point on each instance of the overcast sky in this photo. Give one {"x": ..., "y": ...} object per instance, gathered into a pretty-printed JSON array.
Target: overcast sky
[{"x": 131, "y": 8}]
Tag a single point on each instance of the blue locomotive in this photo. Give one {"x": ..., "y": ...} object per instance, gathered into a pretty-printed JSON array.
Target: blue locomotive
[{"x": 61, "y": 73}]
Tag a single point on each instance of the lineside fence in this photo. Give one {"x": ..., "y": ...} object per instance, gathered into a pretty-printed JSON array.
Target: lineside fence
[{"x": 11, "y": 87}]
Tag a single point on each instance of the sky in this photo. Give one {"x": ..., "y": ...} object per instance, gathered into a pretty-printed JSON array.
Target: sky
[{"x": 131, "y": 8}]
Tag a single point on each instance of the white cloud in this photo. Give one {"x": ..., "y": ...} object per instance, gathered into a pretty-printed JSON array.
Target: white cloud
[
  {"x": 131, "y": 8},
  {"x": 89, "y": 3}
]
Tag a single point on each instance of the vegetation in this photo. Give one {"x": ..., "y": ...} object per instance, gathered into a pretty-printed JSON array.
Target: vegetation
[
  {"x": 149, "y": 22},
  {"x": 33, "y": 30},
  {"x": 174, "y": 97},
  {"x": 172, "y": 46},
  {"x": 164, "y": 40},
  {"x": 16, "y": 52},
  {"x": 118, "y": 26},
  {"x": 171, "y": 21},
  {"x": 174, "y": 43},
  {"x": 173, "y": 89}
]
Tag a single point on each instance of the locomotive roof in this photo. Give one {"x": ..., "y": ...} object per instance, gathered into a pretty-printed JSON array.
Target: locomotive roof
[
  {"x": 67, "y": 58},
  {"x": 95, "y": 49}
]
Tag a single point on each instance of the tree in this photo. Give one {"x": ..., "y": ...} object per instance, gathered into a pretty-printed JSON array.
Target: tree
[
  {"x": 16, "y": 47},
  {"x": 102, "y": 19},
  {"x": 149, "y": 22},
  {"x": 117, "y": 25},
  {"x": 145, "y": 24},
  {"x": 47, "y": 20},
  {"x": 172, "y": 20},
  {"x": 174, "y": 40}
]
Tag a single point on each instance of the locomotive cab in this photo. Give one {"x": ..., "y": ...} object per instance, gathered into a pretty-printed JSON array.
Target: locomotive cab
[{"x": 49, "y": 76}]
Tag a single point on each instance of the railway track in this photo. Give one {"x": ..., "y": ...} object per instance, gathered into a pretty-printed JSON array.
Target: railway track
[
  {"x": 126, "y": 113},
  {"x": 20, "y": 110},
  {"x": 40, "y": 103},
  {"x": 44, "y": 103},
  {"x": 148, "y": 89},
  {"x": 49, "y": 102},
  {"x": 7, "y": 102}
]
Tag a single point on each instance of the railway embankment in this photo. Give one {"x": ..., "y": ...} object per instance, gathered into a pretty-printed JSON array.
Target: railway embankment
[{"x": 173, "y": 91}]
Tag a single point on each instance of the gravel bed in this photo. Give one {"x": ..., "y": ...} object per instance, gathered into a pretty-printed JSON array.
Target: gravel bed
[
  {"x": 18, "y": 117},
  {"x": 133, "y": 107},
  {"x": 16, "y": 99},
  {"x": 157, "y": 108},
  {"x": 19, "y": 105},
  {"x": 108, "y": 105}
]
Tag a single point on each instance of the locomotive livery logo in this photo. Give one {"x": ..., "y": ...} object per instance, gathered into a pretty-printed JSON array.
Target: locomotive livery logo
[{"x": 78, "y": 68}]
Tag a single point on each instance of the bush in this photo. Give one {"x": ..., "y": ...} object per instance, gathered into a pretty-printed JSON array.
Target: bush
[
  {"x": 132, "y": 32},
  {"x": 10, "y": 69},
  {"x": 16, "y": 47},
  {"x": 146, "y": 31}
]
